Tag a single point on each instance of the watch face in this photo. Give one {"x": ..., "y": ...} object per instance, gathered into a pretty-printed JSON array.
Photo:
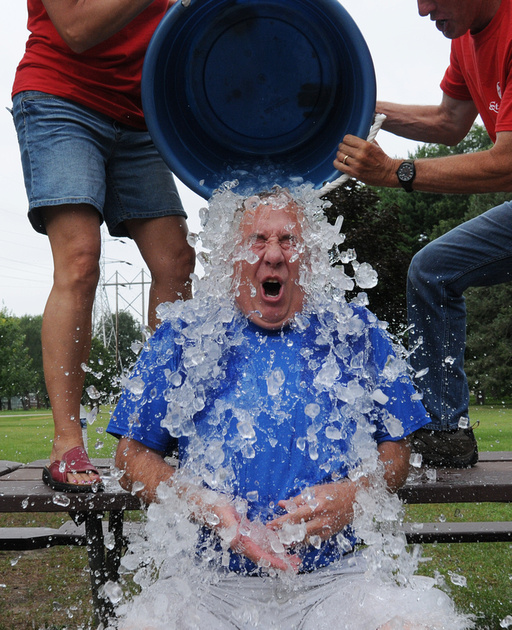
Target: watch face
[{"x": 406, "y": 171}]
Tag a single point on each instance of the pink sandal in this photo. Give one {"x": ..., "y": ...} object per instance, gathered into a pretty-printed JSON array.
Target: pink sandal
[{"x": 75, "y": 460}]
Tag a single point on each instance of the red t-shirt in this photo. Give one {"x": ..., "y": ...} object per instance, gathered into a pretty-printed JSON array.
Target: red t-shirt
[
  {"x": 105, "y": 78},
  {"x": 481, "y": 70}
]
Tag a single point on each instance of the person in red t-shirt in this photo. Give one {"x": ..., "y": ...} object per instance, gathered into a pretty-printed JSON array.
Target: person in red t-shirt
[
  {"x": 479, "y": 252},
  {"x": 87, "y": 158}
]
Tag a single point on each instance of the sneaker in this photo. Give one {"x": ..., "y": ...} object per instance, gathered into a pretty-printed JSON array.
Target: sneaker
[{"x": 456, "y": 448}]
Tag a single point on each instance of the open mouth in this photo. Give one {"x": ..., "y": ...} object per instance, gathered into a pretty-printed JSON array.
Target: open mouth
[{"x": 271, "y": 288}]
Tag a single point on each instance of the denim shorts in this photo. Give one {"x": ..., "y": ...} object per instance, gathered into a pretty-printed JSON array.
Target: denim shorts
[{"x": 73, "y": 155}]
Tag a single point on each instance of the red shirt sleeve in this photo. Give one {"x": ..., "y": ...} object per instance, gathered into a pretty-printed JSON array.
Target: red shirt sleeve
[{"x": 453, "y": 83}]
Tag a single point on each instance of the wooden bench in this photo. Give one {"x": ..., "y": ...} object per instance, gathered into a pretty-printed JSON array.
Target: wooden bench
[
  {"x": 27, "y": 538},
  {"x": 21, "y": 490},
  {"x": 490, "y": 481},
  {"x": 69, "y": 533}
]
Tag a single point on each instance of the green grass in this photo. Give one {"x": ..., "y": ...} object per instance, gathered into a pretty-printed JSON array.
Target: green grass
[
  {"x": 44, "y": 589},
  {"x": 487, "y": 568},
  {"x": 27, "y": 436},
  {"x": 50, "y": 588},
  {"x": 494, "y": 431}
]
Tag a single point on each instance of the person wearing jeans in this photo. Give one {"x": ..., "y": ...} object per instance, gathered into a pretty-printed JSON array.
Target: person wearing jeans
[
  {"x": 478, "y": 81},
  {"x": 476, "y": 253}
]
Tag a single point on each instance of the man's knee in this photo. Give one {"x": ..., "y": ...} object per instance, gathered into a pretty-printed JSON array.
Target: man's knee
[
  {"x": 424, "y": 266},
  {"x": 175, "y": 264},
  {"x": 164, "y": 246},
  {"x": 415, "y": 271},
  {"x": 74, "y": 233}
]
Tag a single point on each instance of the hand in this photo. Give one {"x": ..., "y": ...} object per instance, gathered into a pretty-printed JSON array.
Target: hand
[
  {"x": 251, "y": 539},
  {"x": 367, "y": 162},
  {"x": 262, "y": 546},
  {"x": 324, "y": 510}
]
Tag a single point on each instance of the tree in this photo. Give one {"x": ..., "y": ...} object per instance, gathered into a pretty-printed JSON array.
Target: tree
[
  {"x": 31, "y": 328},
  {"x": 489, "y": 340},
  {"x": 373, "y": 231},
  {"x": 16, "y": 374},
  {"x": 106, "y": 365}
]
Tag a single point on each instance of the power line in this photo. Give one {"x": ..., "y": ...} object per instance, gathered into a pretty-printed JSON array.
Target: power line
[{"x": 106, "y": 319}]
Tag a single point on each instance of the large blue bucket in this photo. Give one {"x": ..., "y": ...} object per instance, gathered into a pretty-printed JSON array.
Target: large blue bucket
[{"x": 243, "y": 88}]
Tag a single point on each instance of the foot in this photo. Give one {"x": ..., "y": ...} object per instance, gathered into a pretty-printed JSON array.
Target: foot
[
  {"x": 456, "y": 448},
  {"x": 86, "y": 476}
]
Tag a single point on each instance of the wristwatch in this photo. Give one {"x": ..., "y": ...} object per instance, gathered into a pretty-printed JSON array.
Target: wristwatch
[{"x": 406, "y": 173}]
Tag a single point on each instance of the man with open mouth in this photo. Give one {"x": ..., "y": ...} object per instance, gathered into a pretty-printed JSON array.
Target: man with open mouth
[
  {"x": 287, "y": 402},
  {"x": 270, "y": 291}
]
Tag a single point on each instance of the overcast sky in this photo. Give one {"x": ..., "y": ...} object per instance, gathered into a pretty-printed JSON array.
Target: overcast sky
[{"x": 409, "y": 55}]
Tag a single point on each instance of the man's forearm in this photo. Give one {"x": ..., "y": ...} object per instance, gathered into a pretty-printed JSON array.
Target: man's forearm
[
  {"x": 413, "y": 122},
  {"x": 395, "y": 458},
  {"x": 83, "y": 24},
  {"x": 144, "y": 469},
  {"x": 447, "y": 123}
]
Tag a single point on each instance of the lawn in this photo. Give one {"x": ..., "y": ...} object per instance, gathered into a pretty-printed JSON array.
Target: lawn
[
  {"x": 25, "y": 437},
  {"x": 49, "y": 589}
]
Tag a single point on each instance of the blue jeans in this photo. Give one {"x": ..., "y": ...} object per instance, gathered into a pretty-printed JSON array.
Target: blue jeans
[{"x": 476, "y": 253}]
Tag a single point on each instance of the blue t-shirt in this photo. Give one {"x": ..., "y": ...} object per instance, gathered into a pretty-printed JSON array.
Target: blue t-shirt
[{"x": 263, "y": 415}]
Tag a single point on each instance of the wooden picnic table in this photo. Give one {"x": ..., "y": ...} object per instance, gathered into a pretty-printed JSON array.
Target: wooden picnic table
[
  {"x": 22, "y": 490},
  {"x": 490, "y": 481}
]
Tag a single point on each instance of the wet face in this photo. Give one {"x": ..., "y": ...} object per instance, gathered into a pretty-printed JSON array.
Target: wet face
[
  {"x": 269, "y": 293},
  {"x": 454, "y": 18}
]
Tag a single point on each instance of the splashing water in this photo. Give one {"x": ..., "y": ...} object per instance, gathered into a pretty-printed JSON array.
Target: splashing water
[{"x": 207, "y": 330}]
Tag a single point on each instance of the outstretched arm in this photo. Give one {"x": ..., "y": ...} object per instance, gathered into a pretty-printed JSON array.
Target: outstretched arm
[
  {"x": 332, "y": 507},
  {"x": 143, "y": 466},
  {"x": 447, "y": 123},
  {"x": 468, "y": 173}
]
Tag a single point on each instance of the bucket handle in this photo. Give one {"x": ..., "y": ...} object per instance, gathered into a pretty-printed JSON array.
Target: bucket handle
[{"x": 377, "y": 124}]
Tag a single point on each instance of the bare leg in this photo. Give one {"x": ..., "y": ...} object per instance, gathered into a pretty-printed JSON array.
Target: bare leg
[
  {"x": 163, "y": 245},
  {"x": 74, "y": 233}
]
